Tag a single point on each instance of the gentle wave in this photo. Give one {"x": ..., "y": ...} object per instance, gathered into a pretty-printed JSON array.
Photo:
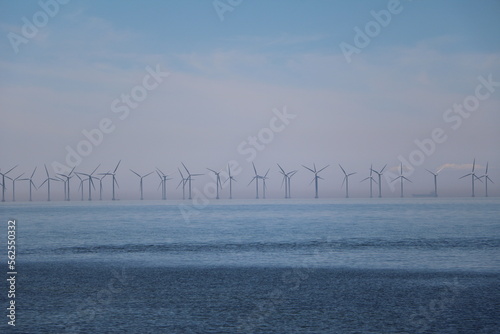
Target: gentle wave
[{"x": 336, "y": 245}]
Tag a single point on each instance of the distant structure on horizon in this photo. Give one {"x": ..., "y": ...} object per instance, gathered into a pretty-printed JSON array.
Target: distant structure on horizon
[{"x": 220, "y": 180}]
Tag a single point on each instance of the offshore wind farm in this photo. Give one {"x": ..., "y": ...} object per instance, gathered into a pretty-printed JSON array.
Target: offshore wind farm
[{"x": 223, "y": 179}]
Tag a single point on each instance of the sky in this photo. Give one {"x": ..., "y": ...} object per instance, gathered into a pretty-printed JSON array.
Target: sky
[{"x": 211, "y": 83}]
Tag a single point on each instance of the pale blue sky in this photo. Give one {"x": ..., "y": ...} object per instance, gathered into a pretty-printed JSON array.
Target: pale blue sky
[{"x": 227, "y": 76}]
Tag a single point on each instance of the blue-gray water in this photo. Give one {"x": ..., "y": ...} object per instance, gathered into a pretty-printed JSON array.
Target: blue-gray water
[{"x": 271, "y": 266}]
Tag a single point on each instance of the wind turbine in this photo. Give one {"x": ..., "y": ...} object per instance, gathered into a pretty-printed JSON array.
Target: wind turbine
[
  {"x": 316, "y": 176},
  {"x": 346, "y": 181},
  {"x": 486, "y": 179},
  {"x": 264, "y": 178},
  {"x": 435, "y": 180},
  {"x": 401, "y": 177},
  {"x": 473, "y": 176},
  {"x": 290, "y": 174},
  {"x": 217, "y": 182},
  {"x": 81, "y": 184},
  {"x": 163, "y": 183},
  {"x": 14, "y": 187},
  {"x": 371, "y": 180},
  {"x": 100, "y": 186},
  {"x": 91, "y": 182},
  {"x": 256, "y": 179},
  {"x": 3, "y": 181},
  {"x": 113, "y": 182},
  {"x": 230, "y": 179},
  {"x": 67, "y": 176},
  {"x": 31, "y": 181},
  {"x": 183, "y": 181},
  {"x": 48, "y": 179},
  {"x": 189, "y": 178},
  {"x": 140, "y": 183},
  {"x": 379, "y": 180},
  {"x": 286, "y": 180}
]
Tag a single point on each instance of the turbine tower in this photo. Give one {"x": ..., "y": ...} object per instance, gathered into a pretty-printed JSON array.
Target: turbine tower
[
  {"x": 90, "y": 178},
  {"x": 113, "y": 182},
  {"x": 264, "y": 178},
  {"x": 163, "y": 183},
  {"x": 67, "y": 176},
  {"x": 140, "y": 182},
  {"x": 435, "y": 180},
  {"x": 100, "y": 186},
  {"x": 316, "y": 176},
  {"x": 379, "y": 180},
  {"x": 371, "y": 180},
  {"x": 486, "y": 179},
  {"x": 183, "y": 181},
  {"x": 189, "y": 178},
  {"x": 217, "y": 182},
  {"x": 48, "y": 179},
  {"x": 401, "y": 177},
  {"x": 346, "y": 181},
  {"x": 230, "y": 179},
  {"x": 81, "y": 184},
  {"x": 256, "y": 179},
  {"x": 3, "y": 181},
  {"x": 473, "y": 176},
  {"x": 14, "y": 187},
  {"x": 30, "y": 179}
]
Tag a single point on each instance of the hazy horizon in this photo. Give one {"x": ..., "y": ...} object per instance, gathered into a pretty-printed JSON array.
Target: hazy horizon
[{"x": 159, "y": 83}]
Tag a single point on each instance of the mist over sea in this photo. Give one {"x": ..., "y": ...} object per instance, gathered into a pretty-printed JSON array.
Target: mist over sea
[{"x": 411, "y": 265}]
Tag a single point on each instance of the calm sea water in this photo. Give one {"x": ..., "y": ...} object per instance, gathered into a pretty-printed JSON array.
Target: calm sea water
[{"x": 270, "y": 266}]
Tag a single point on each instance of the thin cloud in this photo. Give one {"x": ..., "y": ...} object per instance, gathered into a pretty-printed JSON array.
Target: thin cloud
[{"x": 457, "y": 166}]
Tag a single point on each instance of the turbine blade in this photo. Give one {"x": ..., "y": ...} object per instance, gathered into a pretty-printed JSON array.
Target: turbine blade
[
  {"x": 185, "y": 167},
  {"x": 95, "y": 169},
  {"x": 308, "y": 168},
  {"x": 11, "y": 170},
  {"x": 382, "y": 170},
  {"x": 135, "y": 173},
  {"x": 35, "y": 171},
  {"x": 281, "y": 169},
  {"x": 118, "y": 164},
  {"x": 254, "y": 169},
  {"x": 343, "y": 170},
  {"x": 323, "y": 168},
  {"x": 251, "y": 181},
  {"x": 46, "y": 171}
]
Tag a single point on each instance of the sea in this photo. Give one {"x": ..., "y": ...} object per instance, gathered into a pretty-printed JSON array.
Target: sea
[{"x": 374, "y": 265}]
